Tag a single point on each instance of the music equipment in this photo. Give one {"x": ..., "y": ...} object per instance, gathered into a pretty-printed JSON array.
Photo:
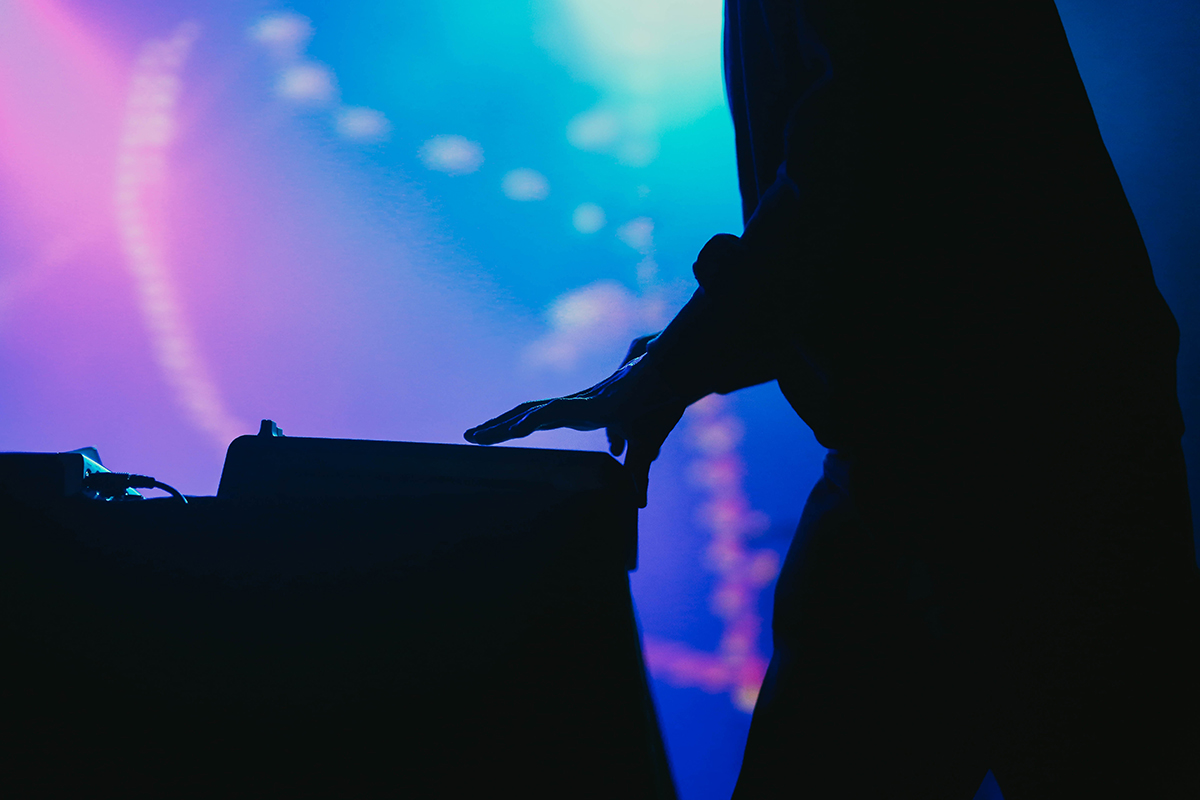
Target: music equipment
[{"x": 344, "y": 619}]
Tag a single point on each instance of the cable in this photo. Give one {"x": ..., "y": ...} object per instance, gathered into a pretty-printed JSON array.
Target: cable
[
  {"x": 111, "y": 485},
  {"x": 170, "y": 490}
]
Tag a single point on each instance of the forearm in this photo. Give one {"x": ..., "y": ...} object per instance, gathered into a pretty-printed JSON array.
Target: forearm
[
  {"x": 695, "y": 357},
  {"x": 740, "y": 328},
  {"x": 721, "y": 339}
]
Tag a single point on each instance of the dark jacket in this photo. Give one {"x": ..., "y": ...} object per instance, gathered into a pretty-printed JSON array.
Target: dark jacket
[{"x": 941, "y": 269}]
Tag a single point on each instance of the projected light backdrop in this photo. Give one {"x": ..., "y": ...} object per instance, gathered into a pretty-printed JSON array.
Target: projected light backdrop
[{"x": 393, "y": 220}]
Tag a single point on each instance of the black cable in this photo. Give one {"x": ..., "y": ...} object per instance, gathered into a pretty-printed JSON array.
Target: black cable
[
  {"x": 111, "y": 485},
  {"x": 171, "y": 490}
]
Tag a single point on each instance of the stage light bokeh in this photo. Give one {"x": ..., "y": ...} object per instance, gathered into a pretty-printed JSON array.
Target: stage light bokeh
[{"x": 393, "y": 220}]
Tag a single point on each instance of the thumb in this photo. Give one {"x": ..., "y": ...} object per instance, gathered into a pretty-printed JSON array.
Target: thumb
[
  {"x": 616, "y": 440},
  {"x": 641, "y": 454}
]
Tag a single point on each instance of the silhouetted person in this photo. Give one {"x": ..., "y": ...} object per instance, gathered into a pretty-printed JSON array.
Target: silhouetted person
[{"x": 941, "y": 270}]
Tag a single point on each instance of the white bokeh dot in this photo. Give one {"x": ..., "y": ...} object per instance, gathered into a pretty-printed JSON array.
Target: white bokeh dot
[
  {"x": 525, "y": 185},
  {"x": 285, "y": 33},
  {"x": 594, "y": 130},
  {"x": 638, "y": 234},
  {"x": 362, "y": 124},
  {"x": 451, "y": 154},
  {"x": 588, "y": 218},
  {"x": 307, "y": 83}
]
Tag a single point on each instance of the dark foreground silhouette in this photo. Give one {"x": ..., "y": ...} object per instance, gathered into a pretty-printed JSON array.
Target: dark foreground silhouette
[
  {"x": 942, "y": 272},
  {"x": 345, "y": 619}
]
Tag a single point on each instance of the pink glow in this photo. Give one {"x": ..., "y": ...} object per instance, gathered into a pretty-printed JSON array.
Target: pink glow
[
  {"x": 165, "y": 290},
  {"x": 737, "y": 666},
  {"x": 60, "y": 103},
  {"x": 142, "y": 176}
]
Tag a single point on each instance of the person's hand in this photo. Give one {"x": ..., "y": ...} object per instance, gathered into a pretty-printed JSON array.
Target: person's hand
[
  {"x": 633, "y": 404},
  {"x": 637, "y": 349}
]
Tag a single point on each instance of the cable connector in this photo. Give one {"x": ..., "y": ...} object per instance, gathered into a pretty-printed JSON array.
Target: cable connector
[{"x": 111, "y": 485}]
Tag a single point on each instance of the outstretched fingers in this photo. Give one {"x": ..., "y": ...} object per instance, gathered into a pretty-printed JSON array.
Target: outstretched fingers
[
  {"x": 498, "y": 427},
  {"x": 503, "y": 427},
  {"x": 580, "y": 412},
  {"x": 594, "y": 407}
]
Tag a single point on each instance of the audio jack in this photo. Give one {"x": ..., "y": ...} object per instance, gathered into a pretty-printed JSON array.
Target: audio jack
[{"x": 111, "y": 485}]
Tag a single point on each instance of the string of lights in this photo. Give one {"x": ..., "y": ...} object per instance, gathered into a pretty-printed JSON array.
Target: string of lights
[
  {"x": 139, "y": 199},
  {"x": 737, "y": 666}
]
